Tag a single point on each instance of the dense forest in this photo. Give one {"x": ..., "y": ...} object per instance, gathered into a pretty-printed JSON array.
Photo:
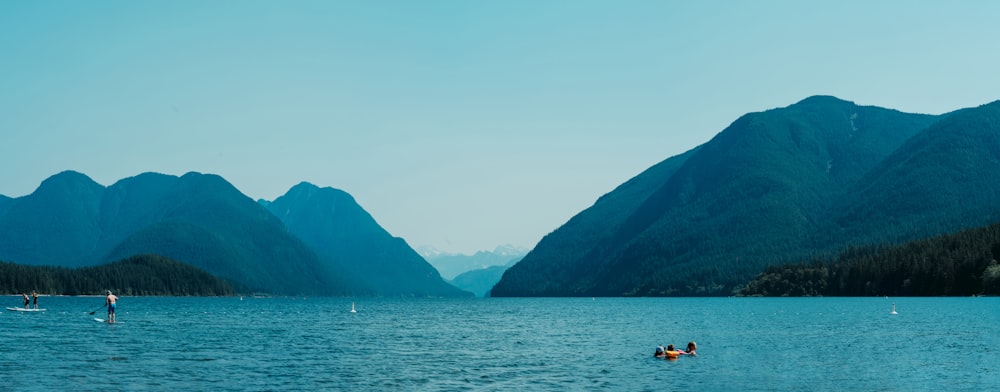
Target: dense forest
[
  {"x": 137, "y": 275},
  {"x": 961, "y": 264}
]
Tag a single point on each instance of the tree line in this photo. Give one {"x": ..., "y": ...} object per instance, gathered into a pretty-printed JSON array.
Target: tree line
[
  {"x": 960, "y": 264},
  {"x": 133, "y": 276}
]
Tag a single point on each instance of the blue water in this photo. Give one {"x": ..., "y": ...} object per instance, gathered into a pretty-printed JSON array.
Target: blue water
[{"x": 746, "y": 344}]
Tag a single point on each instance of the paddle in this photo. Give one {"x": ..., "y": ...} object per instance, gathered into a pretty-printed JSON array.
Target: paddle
[{"x": 95, "y": 310}]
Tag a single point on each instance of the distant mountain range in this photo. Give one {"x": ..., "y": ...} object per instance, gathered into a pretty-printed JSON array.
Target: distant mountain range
[
  {"x": 786, "y": 184},
  {"x": 202, "y": 220},
  {"x": 451, "y": 265},
  {"x": 480, "y": 281},
  {"x": 475, "y": 273}
]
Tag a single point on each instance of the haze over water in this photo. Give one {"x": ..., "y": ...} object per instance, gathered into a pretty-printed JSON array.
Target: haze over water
[{"x": 820, "y": 344}]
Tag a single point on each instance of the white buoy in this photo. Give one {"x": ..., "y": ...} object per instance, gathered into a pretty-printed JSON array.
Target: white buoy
[
  {"x": 893, "y": 309},
  {"x": 352, "y": 308}
]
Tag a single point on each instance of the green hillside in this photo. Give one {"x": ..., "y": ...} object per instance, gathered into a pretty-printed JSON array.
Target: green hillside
[
  {"x": 347, "y": 238},
  {"x": 71, "y": 221},
  {"x": 755, "y": 195},
  {"x": 58, "y": 224},
  {"x": 137, "y": 275},
  {"x": 566, "y": 254},
  {"x": 203, "y": 220},
  {"x": 942, "y": 180}
]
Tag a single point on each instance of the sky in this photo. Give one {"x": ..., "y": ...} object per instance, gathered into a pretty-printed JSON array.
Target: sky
[{"x": 460, "y": 125}]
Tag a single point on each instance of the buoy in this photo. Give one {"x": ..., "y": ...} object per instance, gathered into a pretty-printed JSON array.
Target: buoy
[
  {"x": 352, "y": 308},
  {"x": 893, "y": 309}
]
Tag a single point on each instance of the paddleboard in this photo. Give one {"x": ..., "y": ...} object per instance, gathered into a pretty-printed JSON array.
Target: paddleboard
[
  {"x": 25, "y": 310},
  {"x": 100, "y": 320}
]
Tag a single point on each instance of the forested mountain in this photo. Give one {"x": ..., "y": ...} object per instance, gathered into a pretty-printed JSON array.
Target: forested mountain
[
  {"x": 58, "y": 224},
  {"x": 203, "y": 220},
  {"x": 344, "y": 234},
  {"x": 772, "y": 187},
  {"x": 960, "y": 264},
  {"x": 137, "y": 275},
  {"x": 4, "y": 202},
  {"x": 942, "y": 180},
  {"x": 563, "y": 256},
  {"x": 199, "y": 219}
]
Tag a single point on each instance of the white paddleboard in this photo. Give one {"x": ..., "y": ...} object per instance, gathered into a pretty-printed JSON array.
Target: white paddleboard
[
  {"x": 25, "y": 309},
  {"x": 100, "y": 320}
]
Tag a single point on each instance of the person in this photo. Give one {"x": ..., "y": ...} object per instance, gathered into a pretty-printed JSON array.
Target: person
[
  {"x": 26, "y": 300},
  {"x": 660, "y": 351},
  {"x": 671, "y": 353},
  {"x": 692, "y": 346},
  {"x": 111, "y": 300},
  {"x": 34, "y": 298}
]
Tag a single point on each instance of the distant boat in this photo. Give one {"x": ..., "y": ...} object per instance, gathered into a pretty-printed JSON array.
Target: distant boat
[
  {"x": 352, "y": 308},
  {"x": 893, "y": 309}
]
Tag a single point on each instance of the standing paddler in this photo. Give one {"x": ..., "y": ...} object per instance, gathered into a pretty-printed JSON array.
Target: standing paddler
[{"x": 111, "y": 300}]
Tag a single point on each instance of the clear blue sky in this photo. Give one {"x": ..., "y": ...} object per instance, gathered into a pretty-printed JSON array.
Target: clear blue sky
[{"x": 458, "y": 124}]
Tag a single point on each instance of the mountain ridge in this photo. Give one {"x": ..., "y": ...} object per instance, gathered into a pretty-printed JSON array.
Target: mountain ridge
[
  {"x": 756, "y": 194},
  {"x": 333, "y": 224},
  {"x": 199, "y": 219}
]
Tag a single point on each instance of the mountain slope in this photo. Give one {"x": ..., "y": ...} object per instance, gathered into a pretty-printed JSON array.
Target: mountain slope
[
  {"x": 346, "y": 236},
  {"x": 750, "y": 197},
  {"x": 942, "y": 180},
  {"x": 4, "y": 202},
  {"x": 58, "y": 224},
  {"x": 199, "y": 219},
  {"x": 560, "y": 257},
  {"x": 203, "y": 220}
]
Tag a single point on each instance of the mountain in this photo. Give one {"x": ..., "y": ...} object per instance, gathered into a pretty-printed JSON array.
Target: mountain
[
  {"x": 451, "y": 265},
  {"x": 203, "y": 220},
  {"x": 58, "y": 224},
  {"x": 480, "y": 281},
  {"x": 4, "y": 202},
  {"x": 762, "y": 191},
  {"x": 345, "y": 235},
  {"x": 941, "y": 181},
  {"x": 199, "y": 219},
  {"x": 330, "y": 246}
]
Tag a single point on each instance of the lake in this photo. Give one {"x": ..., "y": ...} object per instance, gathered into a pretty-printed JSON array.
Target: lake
[{"x": 745, "y": 344}]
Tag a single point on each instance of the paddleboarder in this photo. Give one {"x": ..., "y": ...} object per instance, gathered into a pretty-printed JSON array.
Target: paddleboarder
[
  {"x": 26, "y": 300},
  {"x": 34, "y": 297},
  {"x": 111, "y": 300}
]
